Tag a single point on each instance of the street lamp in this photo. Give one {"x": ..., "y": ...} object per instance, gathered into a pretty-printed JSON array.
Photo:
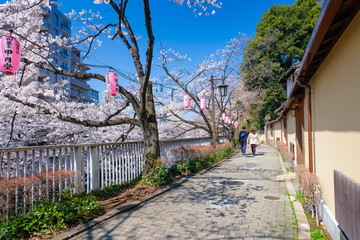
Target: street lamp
[
  {"x": 223, "y": 89},
  {"x": 223, "y": 93}
]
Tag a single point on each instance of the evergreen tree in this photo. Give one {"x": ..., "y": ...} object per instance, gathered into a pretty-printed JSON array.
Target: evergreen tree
[{"x": 281, "y": 39}]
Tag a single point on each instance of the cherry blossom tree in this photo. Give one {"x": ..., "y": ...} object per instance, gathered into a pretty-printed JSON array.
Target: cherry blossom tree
[
  {"x": 137, "y": 107},
  {"x": 224, "y": 64}
]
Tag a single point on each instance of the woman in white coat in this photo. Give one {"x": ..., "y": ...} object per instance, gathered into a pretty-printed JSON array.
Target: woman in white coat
[{"x": 253, "y": 140}]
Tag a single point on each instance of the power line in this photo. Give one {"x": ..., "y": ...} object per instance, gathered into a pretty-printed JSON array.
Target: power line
[{"x": 162, "y": 86}]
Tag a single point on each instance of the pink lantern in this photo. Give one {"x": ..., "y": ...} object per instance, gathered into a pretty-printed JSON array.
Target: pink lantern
[
  {"x": 223, "y": 116},
  {"x": 112, "y": 84},
  {"x": 202, "y": 103},
  {"x": 227, "y": 120},
  {"x": 9, "y": 55},
  {"x": 186, "y": 101},
  {"x": 236, "y": 123}
]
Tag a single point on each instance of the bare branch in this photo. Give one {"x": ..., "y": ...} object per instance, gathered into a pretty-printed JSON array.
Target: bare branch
[{"x": 118, "y": 111}]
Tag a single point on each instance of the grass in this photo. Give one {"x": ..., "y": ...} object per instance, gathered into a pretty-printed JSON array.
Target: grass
[
  {"x": 315, "y": 231},
  {"x": 316, "y": 234},
  {"x": 300, "y": 197},
  {"x": 295, "y": 222}
]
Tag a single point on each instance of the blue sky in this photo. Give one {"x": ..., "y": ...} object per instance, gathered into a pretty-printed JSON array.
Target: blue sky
[{"x": 177, "y": 28}]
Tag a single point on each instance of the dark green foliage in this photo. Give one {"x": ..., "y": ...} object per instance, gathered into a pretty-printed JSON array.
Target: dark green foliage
[
  {"x": 48, "y": 216},
  {"x": 159, "y": 175},
  {"x": 162, "y": 176},
  {"x": 281, "y": 39},
  {"x": 272, "y": 98}
]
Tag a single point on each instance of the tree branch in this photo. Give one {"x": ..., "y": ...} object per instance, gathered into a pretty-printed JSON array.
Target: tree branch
[
  {"x": 85, "y": 76},
  {"x": 87, "y": 123}
]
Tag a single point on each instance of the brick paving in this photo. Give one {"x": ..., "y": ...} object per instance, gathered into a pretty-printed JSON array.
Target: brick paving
[{"x": 227, "y": 202}]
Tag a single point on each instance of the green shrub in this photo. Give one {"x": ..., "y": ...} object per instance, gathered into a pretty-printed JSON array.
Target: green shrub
[
  {"x": 48, "y": 216},
  {"x": 160, "y": 175},
  {"x": 236, "y": 141}
]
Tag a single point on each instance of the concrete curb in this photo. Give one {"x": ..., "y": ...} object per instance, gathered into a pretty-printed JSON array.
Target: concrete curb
[
  {"x": 86, "y": 226},
  {"x": 303, "y": 224}
]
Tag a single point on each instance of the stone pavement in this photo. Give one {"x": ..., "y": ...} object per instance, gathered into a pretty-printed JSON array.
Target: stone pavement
[{"x": 238, "y": 199}]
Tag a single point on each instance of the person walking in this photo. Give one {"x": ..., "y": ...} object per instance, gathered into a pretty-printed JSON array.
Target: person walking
[
  {"x": 253, "y": 140},
  {"x": 243, "y": 135}
]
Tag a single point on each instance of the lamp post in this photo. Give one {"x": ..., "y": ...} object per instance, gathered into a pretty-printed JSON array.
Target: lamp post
[{"x": 223, "y": 93}]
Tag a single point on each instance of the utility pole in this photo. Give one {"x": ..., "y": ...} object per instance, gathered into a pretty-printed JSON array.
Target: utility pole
[{"x": 223, "y": 92}]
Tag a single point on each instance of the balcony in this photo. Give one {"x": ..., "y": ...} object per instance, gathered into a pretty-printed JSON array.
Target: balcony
[
  {"x": 65, "y": 28},
  {"x": 80, "y": 84},
  {"x": 75, "y": 56},
  {"x": 81, "y": 96}
]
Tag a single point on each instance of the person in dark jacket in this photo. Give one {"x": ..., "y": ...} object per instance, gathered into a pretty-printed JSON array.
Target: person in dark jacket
[{"x": 243, "y": 135}]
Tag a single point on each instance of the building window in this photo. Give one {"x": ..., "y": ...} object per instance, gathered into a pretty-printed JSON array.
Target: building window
[
  {"x": 65, "y": 25},
  {"x": 64, "y": 53},
  {"x": 64, "y": 66}
]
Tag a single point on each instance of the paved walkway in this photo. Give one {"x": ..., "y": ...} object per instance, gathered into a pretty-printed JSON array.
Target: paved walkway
[{"x": 227, "y": 202}]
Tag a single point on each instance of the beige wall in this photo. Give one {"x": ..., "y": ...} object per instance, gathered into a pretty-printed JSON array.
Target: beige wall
[
  {"x": 291, "y": 131},
  {"x": 336, "y": 112},
  {"x": 283, "y": 131},
  {"x": 277, "y": 130},
  {"x": 306, "y": 128}
]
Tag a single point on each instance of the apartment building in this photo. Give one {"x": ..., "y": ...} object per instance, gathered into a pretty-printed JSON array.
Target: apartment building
[{"x": 68, "y": 58}]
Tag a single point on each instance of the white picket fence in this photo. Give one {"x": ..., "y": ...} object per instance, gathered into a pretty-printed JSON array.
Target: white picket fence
[{"x": 31, "y": 173}]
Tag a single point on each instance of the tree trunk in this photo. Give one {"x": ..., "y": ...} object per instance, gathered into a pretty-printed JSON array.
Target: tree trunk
[{"x": 149, "y": 128}]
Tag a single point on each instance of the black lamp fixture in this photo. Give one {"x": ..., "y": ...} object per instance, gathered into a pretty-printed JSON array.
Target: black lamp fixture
[{"x": 223, "y": 90}]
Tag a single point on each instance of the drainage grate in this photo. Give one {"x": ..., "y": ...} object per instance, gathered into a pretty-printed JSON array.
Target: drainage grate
[
  {"x": 272, "y": 198},
  {"x": 233, "y": 183}
]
